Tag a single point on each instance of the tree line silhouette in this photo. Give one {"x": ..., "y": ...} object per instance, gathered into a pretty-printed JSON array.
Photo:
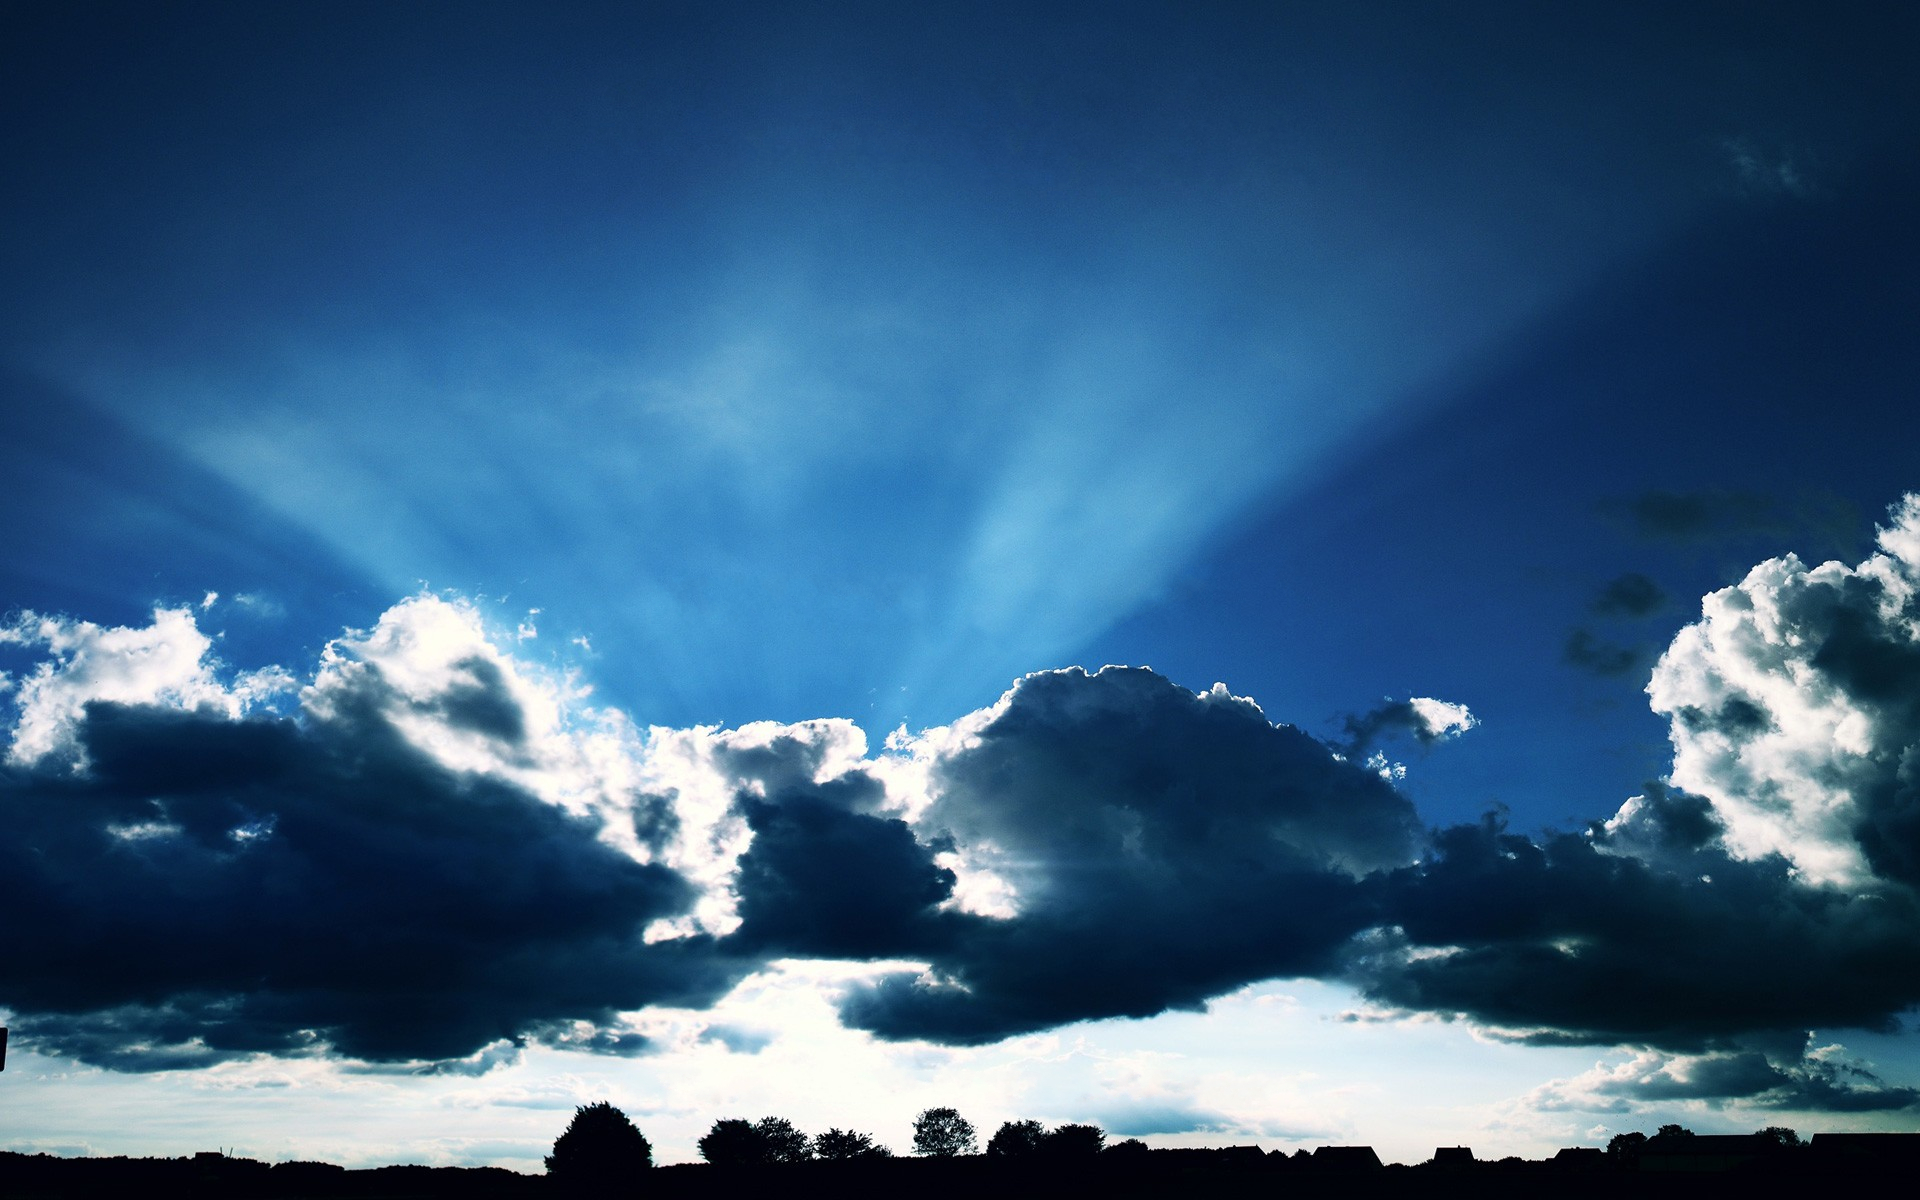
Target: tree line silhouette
[
  {"x": 603, "y": 1154},
  {"x": 601, "y": 1143},
  {"x": 942, "y": 1135}
]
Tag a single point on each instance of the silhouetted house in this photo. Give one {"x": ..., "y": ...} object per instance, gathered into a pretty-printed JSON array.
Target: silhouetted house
[
  {"x": 1453, "y": 1156},
  {"x": 1580, "y": 1158},
  {"x": 1346, "y": 1158},
  {"x": 1704, "y": 1152},
  {"x": 1859, "y": 1149}
]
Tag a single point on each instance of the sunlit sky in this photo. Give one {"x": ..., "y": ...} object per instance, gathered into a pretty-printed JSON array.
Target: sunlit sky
[{"x": 546, "y": 546}]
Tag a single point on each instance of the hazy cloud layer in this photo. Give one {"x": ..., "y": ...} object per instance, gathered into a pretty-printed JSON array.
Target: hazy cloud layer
[{"x": 432, "y": 852}]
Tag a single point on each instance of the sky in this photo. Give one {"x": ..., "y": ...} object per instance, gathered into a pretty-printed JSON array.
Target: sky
[{"x": 1290, "y": 574}]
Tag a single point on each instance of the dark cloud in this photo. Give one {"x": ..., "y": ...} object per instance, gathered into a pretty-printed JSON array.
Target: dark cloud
[
  {"x": 1790, "y": 1075},
  {"x": 1722, "y": 515},
  {"x": 214, "y": 888},
  {"x": 1629, "y": 595},
  {"x": 1589, "y": 652},
  {"x": 826, "y": 881},
  {"x": 1576, "y": 938},
  {"x": 1163, "y": 847},
  {"x": 1696, "y": 516}
]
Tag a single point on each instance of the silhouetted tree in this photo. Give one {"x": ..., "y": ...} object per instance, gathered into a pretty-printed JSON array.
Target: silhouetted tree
[
  {"x": 735, "y": 1143},
  {"x": 1781, "y": 1136},
  {"x": 1668, "y": 1133},
  {"x": 1073, "y": 1141},
  {"x": 780, "y": 1142},
  {"x": 844, "y": 1145},
  {"x": 1133, "y": 1149},
  {"x": 1624, "y": 1148},
  {"x": 1015, "y": 1139},
  {"x": 942, "y": 1133},
  {"x": 599, "y": 1151},
  {"x": 731, "y": 1143}
]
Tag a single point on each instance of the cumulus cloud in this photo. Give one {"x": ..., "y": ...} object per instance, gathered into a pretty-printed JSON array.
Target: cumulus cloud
[
  {"x": 439, "y": 853},
  {"x": 166, "y": 663},
  {"x": 1160, "y": 847},
  {"x": 1768, "y": 884},
  {"x": 355, "y": 877},
  {"x": 1794, "y": 705}
]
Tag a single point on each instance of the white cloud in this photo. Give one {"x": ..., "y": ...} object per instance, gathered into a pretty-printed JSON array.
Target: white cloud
[
  {"x": 1776, "y": 706},
  {"x": 1442, "y": 719},
  {"x": 166, "y": 663}
]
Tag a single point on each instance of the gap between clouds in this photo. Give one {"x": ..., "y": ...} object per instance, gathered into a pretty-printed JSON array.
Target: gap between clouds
[{"x": 433, "y": 851}]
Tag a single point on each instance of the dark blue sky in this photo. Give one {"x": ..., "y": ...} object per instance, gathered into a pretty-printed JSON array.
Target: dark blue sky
[
  {"x": 851, "y": 360},
  {"x": 845, "y": 360}
]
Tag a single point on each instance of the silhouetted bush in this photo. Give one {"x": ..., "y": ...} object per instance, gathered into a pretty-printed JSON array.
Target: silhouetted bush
[
  {"x": 1016, "y": 1139},
  {"x": 942, "y": 1133},
  {"x": 1131, "y": 1150},
  {"x": 600, "y": 1151},
  {"x": 844, "y": 1145}
]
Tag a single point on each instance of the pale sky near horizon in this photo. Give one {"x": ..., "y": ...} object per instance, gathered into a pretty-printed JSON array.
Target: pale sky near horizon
[{"x": 566, "y": 552}]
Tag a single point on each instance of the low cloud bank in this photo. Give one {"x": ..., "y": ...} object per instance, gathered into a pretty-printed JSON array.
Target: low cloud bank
[{"x": 431, "y": 852}]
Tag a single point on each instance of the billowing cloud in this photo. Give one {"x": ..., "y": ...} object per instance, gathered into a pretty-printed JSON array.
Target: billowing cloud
[
  {"x": 1795, "y": 707},
  {"x": 1788, "y": 832},
  {"x": 353, "y": 877},
  {"x": 434, "y": 852},
  {"x": 1159, "y": 846},
  {"x": 164, "y": 663}
]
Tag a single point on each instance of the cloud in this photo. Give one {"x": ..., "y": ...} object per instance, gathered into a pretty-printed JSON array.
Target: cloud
[
  {"x": 442, "y": 854},
  {"x": 1160, "y": 847},
  {"x": 1629, "y": 595},
  {"x": 165, "y": 663},
  {"x": 1144, "y": 1119},
  {"x": 1634, "y": 932},
  {"x": 355, "y": 878},
  {"x": 1762, "y": 174},
  {"x": 1794, "y": 705},
  {"x": 1716, "y": 515},
  {"x": 1589, "y": 652},
  {"x": 1697, "y": 516},
  {"x": 1795, "y": 1076},
  {"x": 1425, "y": 720}
]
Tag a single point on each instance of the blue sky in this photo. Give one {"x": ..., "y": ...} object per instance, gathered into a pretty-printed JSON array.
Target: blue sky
[{"x": 694, "y": 366}]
